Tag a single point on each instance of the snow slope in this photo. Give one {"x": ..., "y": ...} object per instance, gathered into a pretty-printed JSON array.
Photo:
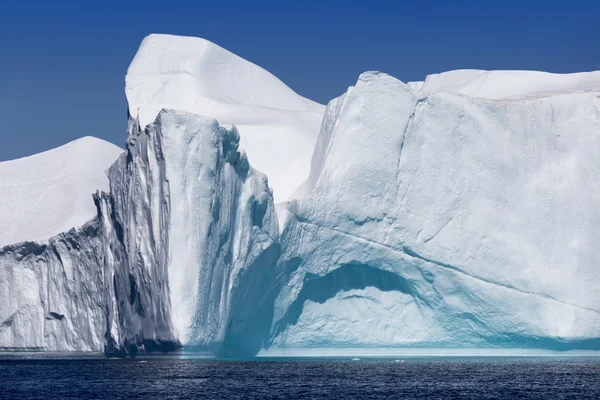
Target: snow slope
[
  {"x": 448, "y": 220},
  {"x": 278, "y": 128},
  {"x": 51, "y": 192}
]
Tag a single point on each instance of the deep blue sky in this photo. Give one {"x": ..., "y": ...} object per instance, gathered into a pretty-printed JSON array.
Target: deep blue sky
[{"x": 63, "y": 62}]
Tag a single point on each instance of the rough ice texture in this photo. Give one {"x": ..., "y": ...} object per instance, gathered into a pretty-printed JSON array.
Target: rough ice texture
[
  {"x": 50, "y": 192},
  {"x": 456, "y": 212},
  {"x": 51, "y": 293},
  {"x": 474, "y": 219},
  {"x": 133, "y": 220},
  {"x": 277, "y": 127},
  {"x": 190, "y": 235}
]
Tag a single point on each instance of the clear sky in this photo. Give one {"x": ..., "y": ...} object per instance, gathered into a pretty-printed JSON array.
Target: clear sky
[{"x": 63, "y": 62}]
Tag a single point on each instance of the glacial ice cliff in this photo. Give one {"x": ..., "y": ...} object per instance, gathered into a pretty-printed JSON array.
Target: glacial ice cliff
[
  {"x": 457, "y": 212},
  {"x": 51, "y": 293},
  {"x": 460, "y": 222},
  {"x": 190, "y": 235}
]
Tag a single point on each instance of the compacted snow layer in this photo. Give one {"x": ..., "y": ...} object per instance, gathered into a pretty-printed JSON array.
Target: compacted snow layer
[
  {"x": 190, "y": 236},
  {"x": 483, "y": 211},
  {"x": 508, "y": 85},
  {"x": 49, "y": 193},
  {"x": 277, "y": 127}
]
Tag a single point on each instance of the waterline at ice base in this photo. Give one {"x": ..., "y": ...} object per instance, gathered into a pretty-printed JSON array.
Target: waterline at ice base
[{"x": 457, "y": 215}]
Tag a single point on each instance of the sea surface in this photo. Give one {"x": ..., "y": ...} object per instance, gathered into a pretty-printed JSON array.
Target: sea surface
[{"x": 339, "y": 378}]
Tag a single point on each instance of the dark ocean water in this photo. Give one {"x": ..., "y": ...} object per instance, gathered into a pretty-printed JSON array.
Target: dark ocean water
[{"x": 442, "y": 378}]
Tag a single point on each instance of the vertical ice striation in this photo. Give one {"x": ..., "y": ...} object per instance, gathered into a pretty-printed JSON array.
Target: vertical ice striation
[
  {"x": 51, "y": 293},
  {"x": 134, "y": 227},
  {"x": 190, "y": 237}
]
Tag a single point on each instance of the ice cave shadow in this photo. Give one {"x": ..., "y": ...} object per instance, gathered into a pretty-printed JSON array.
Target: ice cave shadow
[
  {"x": 351, "y": 276},
  {"x": 249, "y": 326}
]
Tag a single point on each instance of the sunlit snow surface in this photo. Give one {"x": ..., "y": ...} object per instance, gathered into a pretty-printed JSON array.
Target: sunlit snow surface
[
  {"x": 278, "y": 128},
  {"x": 508, "y": 85},
  {"x": 50, "y": 192}
]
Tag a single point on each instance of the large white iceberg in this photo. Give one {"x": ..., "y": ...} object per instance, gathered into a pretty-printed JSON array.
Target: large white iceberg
[{"x": 457, "y": 212}]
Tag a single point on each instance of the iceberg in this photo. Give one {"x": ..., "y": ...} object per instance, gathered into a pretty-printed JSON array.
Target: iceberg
[
  {"x": 457, "y": 214},
  {"x": 435, "y": 218}
]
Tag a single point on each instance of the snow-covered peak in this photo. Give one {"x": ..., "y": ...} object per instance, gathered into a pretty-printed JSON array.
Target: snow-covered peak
[
  {"x": 51, "y": 192},
  {"x": 214, "y": 74},
  {"x": 508, "y": 85},
  {"x": 278, "y": 128}
]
